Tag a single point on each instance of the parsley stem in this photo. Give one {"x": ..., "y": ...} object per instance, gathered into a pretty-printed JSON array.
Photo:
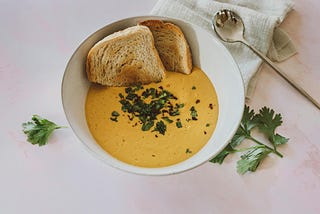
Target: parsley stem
[
  {"x": 245, "y": 149},
  {"x": 59, "y": 127},
  {"x": 271, "y": 149}
]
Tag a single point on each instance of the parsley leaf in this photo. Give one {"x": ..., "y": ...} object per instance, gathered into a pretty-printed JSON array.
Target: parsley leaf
[
  {"x": 239, "y": 136},
  {"x": 223, "y": 154},
  {"x": 267, "y": 123},
  {"x": 248, "y": 119},
  {"x": 248, "y": 122},
  {"x": 279, "y": 140},
  {"x": 39, "y": 130},
  {"x": 252, "y": 158}
]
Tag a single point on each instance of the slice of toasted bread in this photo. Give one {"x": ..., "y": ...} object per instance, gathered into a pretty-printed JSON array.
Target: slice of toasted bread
[
  {"x": 125, "y": 58},
  {"x": 171, "y": 44}
]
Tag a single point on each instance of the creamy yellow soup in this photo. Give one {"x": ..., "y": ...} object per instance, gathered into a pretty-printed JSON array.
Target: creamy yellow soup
[{"x": 121, "y": 135}]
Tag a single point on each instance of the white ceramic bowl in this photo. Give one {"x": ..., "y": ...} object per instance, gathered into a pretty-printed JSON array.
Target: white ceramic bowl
[{"x": 208, "y": 53}]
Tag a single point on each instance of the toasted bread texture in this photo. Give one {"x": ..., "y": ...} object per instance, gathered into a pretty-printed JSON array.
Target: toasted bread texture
[
  {"x": 171, "y": 44},
  {"x": 125, "y": 58}
]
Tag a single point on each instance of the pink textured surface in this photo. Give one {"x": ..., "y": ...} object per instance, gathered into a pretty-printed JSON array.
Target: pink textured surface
[{"x": 37, "y": 39}]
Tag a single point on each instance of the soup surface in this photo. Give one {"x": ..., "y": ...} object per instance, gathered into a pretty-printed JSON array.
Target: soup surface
[{"x": 187, "y": 120}]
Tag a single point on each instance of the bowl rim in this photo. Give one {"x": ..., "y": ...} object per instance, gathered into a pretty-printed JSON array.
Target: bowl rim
[{"x": 146, "y": 170}]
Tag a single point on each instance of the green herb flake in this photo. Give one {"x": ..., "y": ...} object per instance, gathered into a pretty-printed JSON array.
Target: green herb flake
[
  {"x": 179, "y": 124},
  {"x": 160, "y": 127},
  {"x": 121, "y": 96},
  {"x": 147, "y": 126},
  {"x": 188, "y": 151},
  {"x": 167, "y": 119},
  {"x": 128, "y": 90},
  {"x": 181, "y": 105},
  {"x": 137, "y": 88},
  {"x": 174, "y": 112},
  {"x": 193, "y": 88},
  {"x": 115, "y": 114},
  {"x": 115, "y": 119},
  {"x": 193, "y": 113},
  {"x": 131, "y": 96}
]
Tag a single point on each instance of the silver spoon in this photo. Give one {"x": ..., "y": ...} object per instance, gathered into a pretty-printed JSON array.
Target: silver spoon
[{"x": 230, "y": 28}]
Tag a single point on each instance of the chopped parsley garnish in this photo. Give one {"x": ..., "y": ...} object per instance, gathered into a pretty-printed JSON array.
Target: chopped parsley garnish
[
  {"x": 152, "y": 106},
  {"x": 193, "y": 88},
  {"x": 155, "y": 108}
]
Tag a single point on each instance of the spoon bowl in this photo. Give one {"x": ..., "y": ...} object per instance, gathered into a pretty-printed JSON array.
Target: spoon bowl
[{"x": 228, "y": 26}]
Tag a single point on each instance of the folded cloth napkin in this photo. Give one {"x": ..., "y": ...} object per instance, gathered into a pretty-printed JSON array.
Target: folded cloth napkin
[{"x": 261, "y": 19}]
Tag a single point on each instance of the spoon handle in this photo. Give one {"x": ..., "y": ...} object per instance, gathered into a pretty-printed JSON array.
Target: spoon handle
[{"x": 282, "y": 74}]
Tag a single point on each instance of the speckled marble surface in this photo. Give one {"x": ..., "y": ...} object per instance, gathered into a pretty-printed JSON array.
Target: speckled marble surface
[{"x": 37, "y": 39}]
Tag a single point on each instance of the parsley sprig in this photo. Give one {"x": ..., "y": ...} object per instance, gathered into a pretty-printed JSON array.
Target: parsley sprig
[
  {"x": 267, "y": 122},
  {"x": 39, "y": 130}
]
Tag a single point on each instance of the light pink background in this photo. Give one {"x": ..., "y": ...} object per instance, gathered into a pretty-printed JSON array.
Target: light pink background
[{"x": 38, "y": 37}]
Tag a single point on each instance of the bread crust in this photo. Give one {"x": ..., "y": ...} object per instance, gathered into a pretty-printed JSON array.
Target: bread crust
[
  {"x": 183, "y": 57},
  {"x": 124, "y": 58}
]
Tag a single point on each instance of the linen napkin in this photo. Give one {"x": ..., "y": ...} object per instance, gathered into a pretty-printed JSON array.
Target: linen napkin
[{"x": 261, "y": 19}]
